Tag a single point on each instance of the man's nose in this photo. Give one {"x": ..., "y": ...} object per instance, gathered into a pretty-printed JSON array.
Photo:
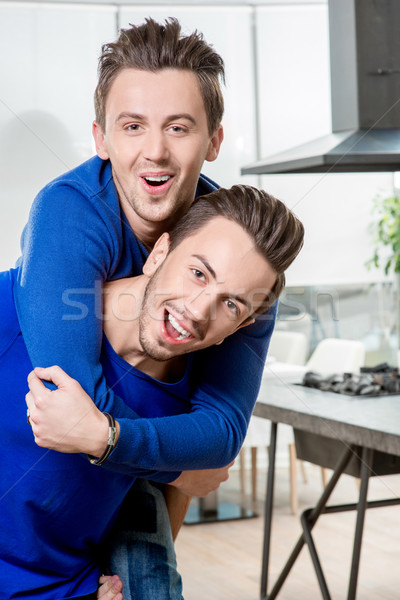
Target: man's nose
[
  {"x": 155, "y": 148},
  {"x": 201, "y": 306}
]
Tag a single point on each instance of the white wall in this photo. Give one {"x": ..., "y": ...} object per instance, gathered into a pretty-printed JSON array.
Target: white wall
[{"x": 48, "y": 74}]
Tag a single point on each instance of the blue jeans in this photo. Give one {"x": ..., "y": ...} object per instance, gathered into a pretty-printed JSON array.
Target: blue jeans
[{"x": 141, "y": 549}]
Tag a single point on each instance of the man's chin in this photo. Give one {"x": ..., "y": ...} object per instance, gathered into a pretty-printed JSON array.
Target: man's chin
[
  {"x": 158, "y": 353},
  {"x": 163, "y": 354}
]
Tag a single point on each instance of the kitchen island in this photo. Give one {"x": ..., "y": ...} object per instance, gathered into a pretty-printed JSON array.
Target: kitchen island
[{"x": 360, "y": 430}]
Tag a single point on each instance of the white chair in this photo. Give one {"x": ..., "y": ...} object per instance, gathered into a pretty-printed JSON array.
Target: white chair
[
  {"x": 285, "y": 347},
  {"x": 288, "y": 347},
  {"x": 334, "y": 355}
]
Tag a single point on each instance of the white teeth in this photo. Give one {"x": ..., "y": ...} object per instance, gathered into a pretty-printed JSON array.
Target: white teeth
[
  {"x": 184, "y": 334},
  {"x": 158, "y": 178}
]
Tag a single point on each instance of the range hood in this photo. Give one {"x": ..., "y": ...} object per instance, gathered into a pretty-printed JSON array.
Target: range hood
[{"x": 365, "y": 92}]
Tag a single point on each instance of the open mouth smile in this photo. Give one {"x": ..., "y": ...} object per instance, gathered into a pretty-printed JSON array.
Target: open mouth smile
[
  {"x": 174, "y": 330},
  {"x": 156, "y": 181}
]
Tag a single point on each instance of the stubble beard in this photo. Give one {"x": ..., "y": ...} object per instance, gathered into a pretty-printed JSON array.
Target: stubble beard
[
  {"x": 167, "y": 210},
  {"x": 154, "y": 348},
  {"x": 150, "y": 347}
]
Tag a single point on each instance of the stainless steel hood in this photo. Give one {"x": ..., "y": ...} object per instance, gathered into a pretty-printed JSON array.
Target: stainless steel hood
[{"x": 365, "y": 91}]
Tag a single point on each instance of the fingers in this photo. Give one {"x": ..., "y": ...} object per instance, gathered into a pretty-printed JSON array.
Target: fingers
[
  {"x": 54, "y": 374},
  {"x": 30, "y": 403},
  {"x": 110, "y": 588},
  {"x": 35, "y": 385},
  {"x": 34, "y": 397}
]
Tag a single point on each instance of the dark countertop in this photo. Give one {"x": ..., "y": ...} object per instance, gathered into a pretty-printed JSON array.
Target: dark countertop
[{"x": 373, "y": 422}]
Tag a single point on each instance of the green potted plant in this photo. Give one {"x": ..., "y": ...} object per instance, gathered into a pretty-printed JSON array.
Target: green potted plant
[
  {"x": 385, "y": 231},
  {"x": 386, "y": 234}
]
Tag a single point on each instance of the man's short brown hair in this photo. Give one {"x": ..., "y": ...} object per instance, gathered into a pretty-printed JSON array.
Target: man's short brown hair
[
  {"x": 152, "y": 47},
  {"x": 277, "y": 233}
]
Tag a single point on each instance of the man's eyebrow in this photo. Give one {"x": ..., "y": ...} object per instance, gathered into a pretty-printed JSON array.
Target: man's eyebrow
[
  {"x": 207, "y": 265},
  {"x": 179, "y": 116},
  {"x": 209, "y": 268},
  {"x": 129, "y": 115},
  {"x": 242, "y": 300},
  {"x": 138, "y": 117}
]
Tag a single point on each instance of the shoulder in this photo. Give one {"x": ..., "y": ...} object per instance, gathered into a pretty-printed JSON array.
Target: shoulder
[
  {"x": 90, "y": 186},
  {"x": 90, "y": 176},
  {"x": 82, "y": 200},
  {"x": 205, "y": 185}
]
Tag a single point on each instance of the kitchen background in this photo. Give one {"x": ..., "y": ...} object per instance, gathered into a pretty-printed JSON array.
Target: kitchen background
[{"x": 277, "y": 96}]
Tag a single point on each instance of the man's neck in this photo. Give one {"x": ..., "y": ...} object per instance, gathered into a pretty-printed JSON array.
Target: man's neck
[
  {"x": 147, "y": 232},
  {"x": 121, "y": 305}
]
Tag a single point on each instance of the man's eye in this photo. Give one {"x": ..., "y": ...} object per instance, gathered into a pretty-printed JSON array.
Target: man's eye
[
  {"x": 132, "y": 127},
  {"x": 177, "y": 129},
  {"x": 232, "y": 306},
  {"x": 199, "y": 274}
]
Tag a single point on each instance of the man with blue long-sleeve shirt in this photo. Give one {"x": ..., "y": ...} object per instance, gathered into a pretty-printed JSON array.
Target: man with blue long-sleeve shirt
[
  {"x": 158, "y": 117},
  {"x": 216, "y": 270}
]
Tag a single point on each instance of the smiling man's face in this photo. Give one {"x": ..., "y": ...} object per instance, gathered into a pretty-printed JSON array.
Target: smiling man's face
[
  {"x": 204, "y": 290},
  {"x": 157, "y": 138}
]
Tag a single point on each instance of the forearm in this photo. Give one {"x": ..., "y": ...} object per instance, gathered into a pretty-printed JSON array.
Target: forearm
[
  {"x": 213, "y": 433},
  {"x": 68, "y": 421},
  {"x": 208, "y": 437},
  {"x": 68, "y": 252},
  {"x": 184, "y": 442}
]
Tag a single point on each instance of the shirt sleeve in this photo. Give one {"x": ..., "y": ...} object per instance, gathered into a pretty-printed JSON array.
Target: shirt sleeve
[
  {"x": 213, "y": 433},
  {"x": 67, "y": 254}
]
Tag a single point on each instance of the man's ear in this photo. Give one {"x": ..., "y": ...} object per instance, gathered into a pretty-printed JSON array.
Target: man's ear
[
  {"x": 248, "y": 321},
  {"x": 215, "y": 144},
  {"x": 99, "y": 141},
  {"x": 157, "y": 255}
]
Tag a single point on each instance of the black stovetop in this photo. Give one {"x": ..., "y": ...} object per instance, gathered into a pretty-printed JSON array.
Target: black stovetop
[{"x": 381, "y": 380}]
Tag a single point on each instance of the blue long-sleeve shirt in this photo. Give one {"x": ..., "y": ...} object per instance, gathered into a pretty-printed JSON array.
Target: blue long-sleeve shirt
[
  {"x": 55, "y": 508},
  {"x": 76, "y": 238}
]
